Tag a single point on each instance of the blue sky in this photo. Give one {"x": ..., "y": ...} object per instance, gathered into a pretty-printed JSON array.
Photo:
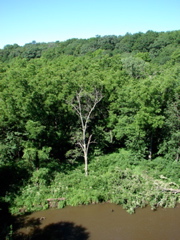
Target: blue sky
[{"x": 22, "y": 21}]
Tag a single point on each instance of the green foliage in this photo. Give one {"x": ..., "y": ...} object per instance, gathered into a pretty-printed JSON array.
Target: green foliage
[
  {"x": 149, "y": 42},
  {"x": 135, "y": 149},
  {"x": 33, "y": 195},
  {"x": 117, "y": 178},
  {"x": 135, "y": 67},
  {"x": 171, "y": 142},
  {"x": 144, "y": 42}
]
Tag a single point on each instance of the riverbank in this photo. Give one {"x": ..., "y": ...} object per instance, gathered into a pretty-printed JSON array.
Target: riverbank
[{"x": 115, "y": 178}]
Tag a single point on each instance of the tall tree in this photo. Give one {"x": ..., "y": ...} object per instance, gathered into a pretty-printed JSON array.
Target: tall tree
[{"x": 84, "y": 103}]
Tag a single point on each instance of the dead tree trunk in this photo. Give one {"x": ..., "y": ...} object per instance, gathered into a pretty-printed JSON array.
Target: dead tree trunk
[{"x": 84, "y": 104}]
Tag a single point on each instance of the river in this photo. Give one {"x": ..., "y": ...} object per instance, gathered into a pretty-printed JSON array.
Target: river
[{"x": 100, "y": 222}]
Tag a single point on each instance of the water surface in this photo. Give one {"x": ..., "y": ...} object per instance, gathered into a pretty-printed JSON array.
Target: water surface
[{"x": 101, "y": 222}]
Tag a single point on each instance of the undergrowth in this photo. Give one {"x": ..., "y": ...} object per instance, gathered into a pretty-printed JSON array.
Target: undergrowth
[{"x": 115, "y": 178}]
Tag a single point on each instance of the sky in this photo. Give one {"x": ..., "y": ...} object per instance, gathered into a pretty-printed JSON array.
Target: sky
[{"x": 24, "y": 21}]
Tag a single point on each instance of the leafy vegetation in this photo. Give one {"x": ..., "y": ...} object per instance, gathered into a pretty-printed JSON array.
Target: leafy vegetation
[
  {"x": 114, "y": 178},
  {"x": 117, "y": 97}
]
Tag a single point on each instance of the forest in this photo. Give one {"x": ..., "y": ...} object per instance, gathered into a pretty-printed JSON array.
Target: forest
[{"x": 90, "y": 120}]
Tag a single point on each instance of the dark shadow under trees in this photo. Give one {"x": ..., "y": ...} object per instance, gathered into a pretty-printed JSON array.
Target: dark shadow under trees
[
  {"x": 11, "y": 179},
  {"x": 54, "y": 231}
]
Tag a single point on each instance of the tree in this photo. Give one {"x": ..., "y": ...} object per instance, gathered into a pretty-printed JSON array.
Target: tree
[
  {"x": 171, "y": 144},
  {"x": 135, "y": 67},
  {"x": 84, "y": 104},
  {"x": 143, "y": 43}
]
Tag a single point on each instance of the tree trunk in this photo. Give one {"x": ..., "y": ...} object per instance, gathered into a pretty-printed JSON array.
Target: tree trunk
[
  {"x": 177, "y": 157},
  {"x": 150, "y": 148},
  {"x": 86, "y": 163}
]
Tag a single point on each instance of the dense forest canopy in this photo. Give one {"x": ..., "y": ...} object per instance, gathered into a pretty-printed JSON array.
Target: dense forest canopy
[
  {"x": 138, "y": 77},
  {"x": 156, "y": 47}
]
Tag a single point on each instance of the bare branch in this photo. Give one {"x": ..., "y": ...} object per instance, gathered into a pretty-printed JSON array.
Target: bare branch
[
  {"x": 98, "y": 98},
  {"x": 88, "y": 143},
  {"x": 84, "y": 104},
  {"x": 80, "y": 144}
]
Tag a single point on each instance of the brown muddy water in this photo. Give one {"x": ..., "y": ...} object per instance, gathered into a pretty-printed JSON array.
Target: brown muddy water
[{"x": 100, "y": 222}]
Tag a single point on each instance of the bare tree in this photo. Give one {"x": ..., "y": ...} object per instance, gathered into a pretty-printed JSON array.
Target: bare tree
[{"x": 84, "y": 104}]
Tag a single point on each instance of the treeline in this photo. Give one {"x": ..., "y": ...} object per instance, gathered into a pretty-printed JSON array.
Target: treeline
[{"x": 157, "y": 47}]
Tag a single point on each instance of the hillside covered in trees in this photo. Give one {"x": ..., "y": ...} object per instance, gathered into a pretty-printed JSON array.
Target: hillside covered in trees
[{"x": 111, "y": 102}]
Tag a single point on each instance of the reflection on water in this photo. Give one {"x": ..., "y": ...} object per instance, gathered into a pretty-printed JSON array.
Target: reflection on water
[
  {"x": 59, "y": 231},
  {"x": 102, "y": 221}
]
